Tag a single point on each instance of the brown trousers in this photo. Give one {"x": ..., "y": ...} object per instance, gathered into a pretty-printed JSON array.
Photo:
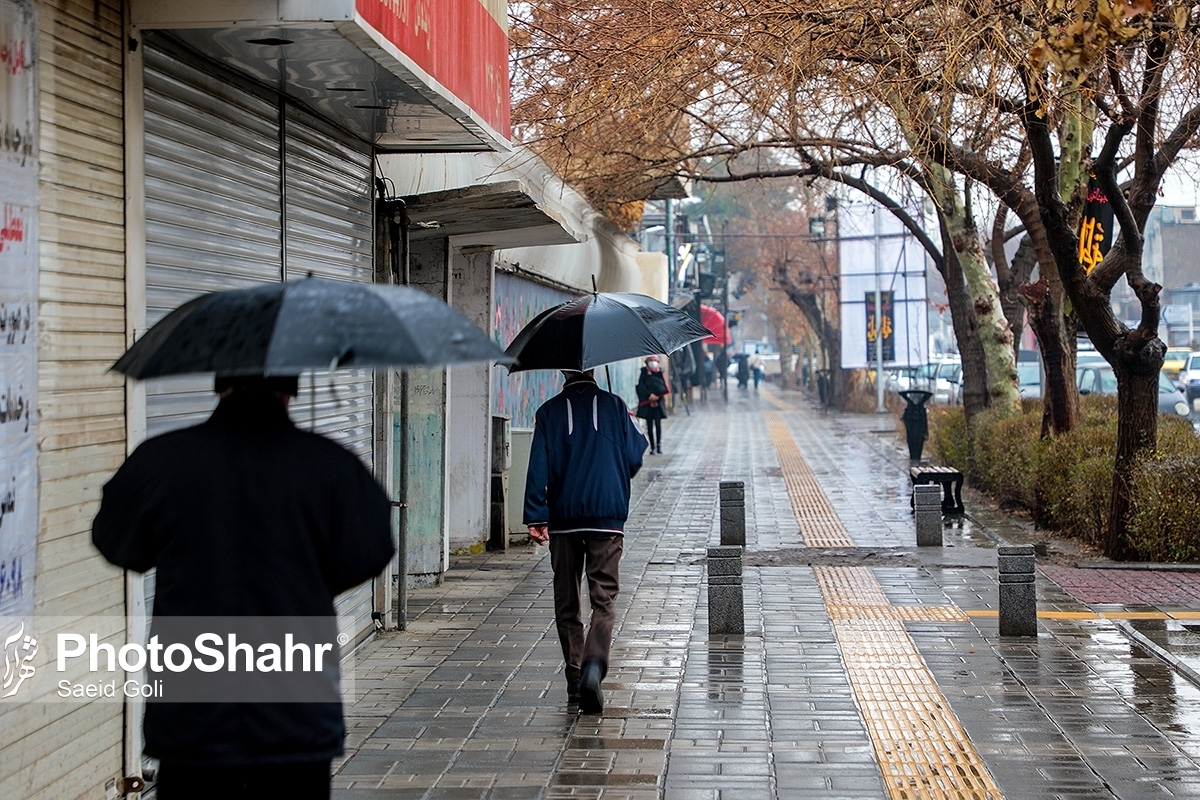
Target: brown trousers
[{"x": 570, "y": 555}]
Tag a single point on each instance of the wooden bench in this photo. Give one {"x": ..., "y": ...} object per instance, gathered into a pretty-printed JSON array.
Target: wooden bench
[{"x": 950, "y": 479}]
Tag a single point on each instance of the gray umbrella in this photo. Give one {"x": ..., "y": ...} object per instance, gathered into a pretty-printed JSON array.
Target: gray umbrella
[
  {"x": 600, "y": 328},
  {"x": 313, "y": 323}
]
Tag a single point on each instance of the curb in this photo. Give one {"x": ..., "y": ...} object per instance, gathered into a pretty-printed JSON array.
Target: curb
[{"x": 1156, "y": 650}]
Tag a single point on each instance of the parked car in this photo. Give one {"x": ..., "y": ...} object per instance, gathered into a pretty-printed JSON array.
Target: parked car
[
  {"x": 900, "y": 379},
  {"x": 1189, "y": 380},
  {"x": 1175, "y": 360},
  {"x": 1102, "y": 380},
  {"x": 1029, "y": 379},
  {"x": 943, "y": 377}
]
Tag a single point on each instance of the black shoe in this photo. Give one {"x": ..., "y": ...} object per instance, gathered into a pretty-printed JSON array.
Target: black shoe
[
  {"x": 591, "y": 699},
  {"x": 573, "y": 694},
  {"x": 659, "y": 451}
]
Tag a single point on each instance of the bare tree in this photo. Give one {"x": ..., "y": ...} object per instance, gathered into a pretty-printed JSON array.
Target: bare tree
[{"x": 1022, "y": 98}]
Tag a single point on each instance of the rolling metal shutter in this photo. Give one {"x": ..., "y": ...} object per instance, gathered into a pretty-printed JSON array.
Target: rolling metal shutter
[
  {"x": 330, "y": 233},
  {"x": 234, "y": 199},
  {"x": 213, "y": 207}
]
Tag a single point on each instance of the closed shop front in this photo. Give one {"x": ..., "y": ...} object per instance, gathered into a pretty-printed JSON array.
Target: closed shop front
[{"x": 242, "y": 188}]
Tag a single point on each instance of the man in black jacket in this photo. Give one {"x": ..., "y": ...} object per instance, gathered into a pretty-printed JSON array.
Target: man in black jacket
[
  {"x": 244, "y": 516},
  {"x": 585, "y": 450}
]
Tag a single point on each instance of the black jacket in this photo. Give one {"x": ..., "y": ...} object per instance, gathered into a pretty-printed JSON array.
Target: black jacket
[
  {"x": 245, "y": 516},
  {"x": 652, "y": 383}
]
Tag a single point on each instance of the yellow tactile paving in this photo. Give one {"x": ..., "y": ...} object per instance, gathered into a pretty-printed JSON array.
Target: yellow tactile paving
[
  {"x": 819, "y": 524},
  {"x": 922, "y": 749}
]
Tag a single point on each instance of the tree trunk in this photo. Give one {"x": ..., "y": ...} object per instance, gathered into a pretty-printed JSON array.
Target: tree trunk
[
  {"x": 1055, "y": 330},
  {"x": 1017, "y": 275},
  {"x": 995, "y": 337},
  {"x": 1137, "y": 430},
  {"x": 962, "y": 317}
]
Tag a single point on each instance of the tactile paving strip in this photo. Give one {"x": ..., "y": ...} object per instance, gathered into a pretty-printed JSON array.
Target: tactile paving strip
[
  {"x": 819, "y": 523},
  {"x": 923, "y": 751},
  {"x": 921, "y": 747}
]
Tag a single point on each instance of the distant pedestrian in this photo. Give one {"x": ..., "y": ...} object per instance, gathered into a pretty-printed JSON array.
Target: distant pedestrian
[
  {"x": 245, "y": 516},
  {"x": 756, "y": 364},
  {"x": 586, "y": 448},
  {"x": 683, "y": 375},
  {"x": 652, "y": 391},
  {"x": 743, "y": 369}
]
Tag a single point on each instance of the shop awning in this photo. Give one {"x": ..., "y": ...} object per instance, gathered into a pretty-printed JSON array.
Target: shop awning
[
  {"x": 492, "y": 215},
  {"x": 408, "y": 77}
]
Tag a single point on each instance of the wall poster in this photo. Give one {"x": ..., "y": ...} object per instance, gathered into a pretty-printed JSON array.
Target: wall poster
[{"x": 18, "y": 312}]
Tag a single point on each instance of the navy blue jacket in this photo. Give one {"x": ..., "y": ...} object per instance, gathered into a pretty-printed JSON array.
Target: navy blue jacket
[{"x": 585, "y": 450}]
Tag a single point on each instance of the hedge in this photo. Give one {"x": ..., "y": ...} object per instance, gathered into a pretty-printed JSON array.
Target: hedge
[{"x": 1065, "y": 481}]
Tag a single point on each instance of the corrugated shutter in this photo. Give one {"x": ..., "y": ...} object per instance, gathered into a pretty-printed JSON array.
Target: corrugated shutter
[
  {"x": 212, "y": 206},
  {"x": 330, "y": 233},
  {"x": 226, "y": 208}
]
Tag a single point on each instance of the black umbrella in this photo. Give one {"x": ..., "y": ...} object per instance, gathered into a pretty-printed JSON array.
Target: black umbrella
[
  {"x": 600, "y": 328},
  {"x": 313, "y": 323}
]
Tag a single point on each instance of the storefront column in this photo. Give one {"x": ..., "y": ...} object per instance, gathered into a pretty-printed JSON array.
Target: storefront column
[{"x": 468, "y": 468}]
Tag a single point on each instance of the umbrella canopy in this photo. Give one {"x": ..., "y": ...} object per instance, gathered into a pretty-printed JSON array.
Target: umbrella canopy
[
  {"x": 714, "y": 321},
  {"x": 601, "y": 328},
  {"x": 312, "y": 323}
]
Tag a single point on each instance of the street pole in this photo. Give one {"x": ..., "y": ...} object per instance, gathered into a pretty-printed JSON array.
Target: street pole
[
  {"x": 878, "y": 316},
  {"x": 670, "y": 243},
  {"x": 725, "y": 332}
]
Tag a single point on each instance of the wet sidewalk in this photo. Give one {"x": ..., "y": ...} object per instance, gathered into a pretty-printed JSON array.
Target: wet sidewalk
[{"x": 869, "y": 668}]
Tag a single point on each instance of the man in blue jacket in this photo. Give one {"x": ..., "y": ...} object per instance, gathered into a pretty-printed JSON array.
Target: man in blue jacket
[{"x": 586, "y": 448}]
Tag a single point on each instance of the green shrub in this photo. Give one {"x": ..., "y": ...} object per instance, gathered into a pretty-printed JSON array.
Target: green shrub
[
  {"x": 1006, "y": 454},
  {"x": 948, "y": 436},
  {"x": 1166, "y": 508},
  {"x": 1066, "y": 481},
  {"x": 1074, "y": 473}
]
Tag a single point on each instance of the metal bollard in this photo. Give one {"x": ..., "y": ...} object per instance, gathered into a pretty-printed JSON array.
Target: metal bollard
[
  {"x": 927, "y": 513},
  {"x": 725, "y": 609},
  {"x": 1018, "y": 599},
  {"x": 733, "y": 513}
]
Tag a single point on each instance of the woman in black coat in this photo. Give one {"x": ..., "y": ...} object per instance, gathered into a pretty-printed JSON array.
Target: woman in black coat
[{"x": 651, "y": 390}]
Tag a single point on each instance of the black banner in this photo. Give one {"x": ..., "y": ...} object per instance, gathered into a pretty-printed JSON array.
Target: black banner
[
  {"x": 1095, "y": 227},
  {"x": 887, "y": 323}
]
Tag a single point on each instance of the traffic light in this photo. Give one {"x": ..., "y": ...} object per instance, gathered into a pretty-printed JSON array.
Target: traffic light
[{"x": 708, "y": 284}]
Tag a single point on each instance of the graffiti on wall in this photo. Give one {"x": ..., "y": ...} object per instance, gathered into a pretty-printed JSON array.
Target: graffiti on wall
[
  {"x": 517, "y": 301},
  {"x": 518, "y": 396}
]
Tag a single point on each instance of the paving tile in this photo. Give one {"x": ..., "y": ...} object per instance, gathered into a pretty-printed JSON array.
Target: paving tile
[{"x": 470, "y": 701}]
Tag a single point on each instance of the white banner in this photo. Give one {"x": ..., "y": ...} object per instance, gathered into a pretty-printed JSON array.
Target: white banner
[
  {"x": 18, "y": 308},
  {"x": 899, "y": 268}
]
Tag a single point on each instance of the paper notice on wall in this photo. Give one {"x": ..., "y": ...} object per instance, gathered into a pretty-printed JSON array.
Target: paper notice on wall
[{"x": 18, "y": 308}]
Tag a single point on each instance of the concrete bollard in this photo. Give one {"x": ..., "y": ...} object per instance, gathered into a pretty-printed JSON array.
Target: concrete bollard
[
  {"x": 927, "y": 513},
  {"x": 725, "y": 610},
  {"x": 733, "y": 513},
  {"x": 1018, "y": 599}
]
